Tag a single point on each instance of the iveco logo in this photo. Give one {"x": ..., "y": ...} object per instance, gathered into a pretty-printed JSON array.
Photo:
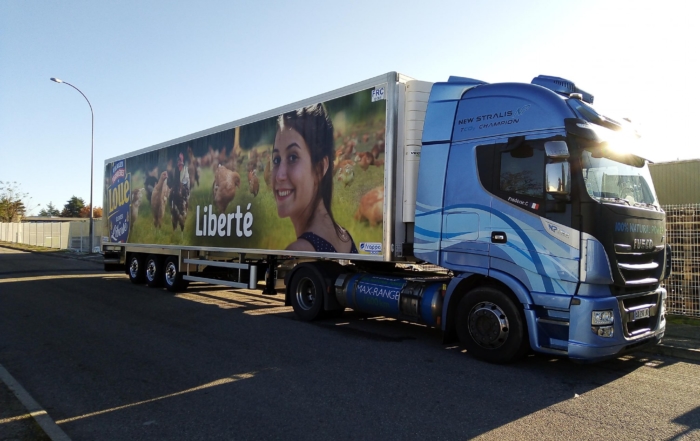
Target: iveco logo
[
  {"x": 643, "y": 244},
  {"x": 556, "y": 230}
]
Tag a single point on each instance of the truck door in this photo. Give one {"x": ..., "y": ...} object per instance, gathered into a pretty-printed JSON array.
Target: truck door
[
  {"x": 465, "y": 234},
  {"x": 524, "y": 243}
]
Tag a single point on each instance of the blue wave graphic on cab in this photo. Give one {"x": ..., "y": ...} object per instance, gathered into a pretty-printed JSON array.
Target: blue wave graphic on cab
[{"x": 459, "y": 238}]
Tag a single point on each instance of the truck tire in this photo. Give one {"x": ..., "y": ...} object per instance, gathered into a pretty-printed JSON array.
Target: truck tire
[
  {"x": 136, "y": 269},
  {"x": 306, "y": 289},
  {"x": 154, "y": 271},
  {"x": 172, "y": 277},
  {"x": 491, "y": 326}
]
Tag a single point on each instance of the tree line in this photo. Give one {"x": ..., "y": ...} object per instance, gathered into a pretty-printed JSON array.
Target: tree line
[{"x": 14, "y": 205}]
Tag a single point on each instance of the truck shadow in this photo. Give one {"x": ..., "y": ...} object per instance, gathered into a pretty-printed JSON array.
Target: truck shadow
[
  {"x": 499, "y": 395},
  {"x": 129, "y": 352},
  {"x": 691, "y": 422}
]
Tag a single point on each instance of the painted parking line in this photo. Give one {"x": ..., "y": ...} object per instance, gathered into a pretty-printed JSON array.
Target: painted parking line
[{"x": 35, "y": 410}]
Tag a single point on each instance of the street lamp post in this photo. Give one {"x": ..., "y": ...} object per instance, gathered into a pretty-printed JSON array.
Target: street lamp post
[{"x": 92, "y": 153}]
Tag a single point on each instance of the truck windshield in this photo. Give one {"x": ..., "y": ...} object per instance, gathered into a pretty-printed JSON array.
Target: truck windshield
[{"x": 617, "y": 178}]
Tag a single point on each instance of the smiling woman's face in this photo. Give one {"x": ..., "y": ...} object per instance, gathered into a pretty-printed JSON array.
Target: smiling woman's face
[{"x": 294, "y": 180}]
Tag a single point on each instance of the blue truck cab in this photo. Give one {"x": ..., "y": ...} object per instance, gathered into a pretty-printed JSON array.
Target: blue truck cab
[
  {"x": 544, "y": 222},
  {"x": 548, "y": 221},
  {"x": 514, "y": 217}
]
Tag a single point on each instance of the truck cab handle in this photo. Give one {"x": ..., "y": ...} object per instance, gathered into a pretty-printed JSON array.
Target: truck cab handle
[{"x": 498, "y": 237}]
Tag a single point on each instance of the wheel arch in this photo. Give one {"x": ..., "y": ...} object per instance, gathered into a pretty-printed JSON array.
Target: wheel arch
[{"x": 461, "y": 285}]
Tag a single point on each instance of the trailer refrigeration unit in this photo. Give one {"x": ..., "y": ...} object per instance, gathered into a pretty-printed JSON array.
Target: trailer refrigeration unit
[{"x": 511, "y": 216}]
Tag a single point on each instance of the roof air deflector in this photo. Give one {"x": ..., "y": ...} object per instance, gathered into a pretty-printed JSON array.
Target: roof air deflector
[{"x": 562, "y": 86}]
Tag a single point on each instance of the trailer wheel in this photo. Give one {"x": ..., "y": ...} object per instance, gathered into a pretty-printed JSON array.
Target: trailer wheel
[
  {"x": 154, "y": 268},
  {"x": 491, "y": 326},
  {"x": 137, "y": 270},
  {"x": 172, "y": 277},
  {"x": 306, "y": 291}
]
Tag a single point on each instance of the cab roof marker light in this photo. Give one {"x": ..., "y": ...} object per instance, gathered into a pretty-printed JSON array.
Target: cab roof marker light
[{"x": 562, "y": 86}]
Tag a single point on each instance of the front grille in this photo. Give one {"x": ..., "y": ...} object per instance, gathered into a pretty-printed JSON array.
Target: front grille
[
  {"x": 630, "y": 304},
  {"x": 640, "y": 271}
]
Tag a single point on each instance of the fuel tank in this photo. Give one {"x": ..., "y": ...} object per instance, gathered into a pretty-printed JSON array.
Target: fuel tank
[{"x": 416, "y": 299}]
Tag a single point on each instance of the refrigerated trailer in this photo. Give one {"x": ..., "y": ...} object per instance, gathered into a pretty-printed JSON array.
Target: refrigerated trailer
[{"x": 512, "y": 216}]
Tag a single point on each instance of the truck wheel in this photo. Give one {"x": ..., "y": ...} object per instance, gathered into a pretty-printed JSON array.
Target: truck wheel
[
  {"x": 172, "y": 277},
  {"x": 154, "y": 268},
  {"x": 137, "y": 270},
  {"x": 306, "y": 289},
  {"x": 491, "y": 326}
]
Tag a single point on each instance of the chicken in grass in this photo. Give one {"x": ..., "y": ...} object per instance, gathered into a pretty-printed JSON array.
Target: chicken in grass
[
  {"x": 218, "y": 158},
  {"x": 136, "y": 197},
  {"x": 193, "y": 168},
  {"x": 222, "y": 155},
  {"x": 253, "y": 182},
  {"x": 364, "y": 160},
  {"x": 233, "y": 161},
  {"x": 150, "y": 182},
  {"x": 346, "y": 172},
  {"x": 159, "y": 199},
  {"x": 207, "y": 159},
  {"x": 267, "y": 174},
  {"x": 226, "y": 182},
  {"x": 371, "y": 207},
  {"x": 179, "y": 194},
  {"x": 378, "y": 148}
]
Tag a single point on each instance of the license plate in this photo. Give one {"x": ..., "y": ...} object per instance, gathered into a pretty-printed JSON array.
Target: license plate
[{"x": 638, "y": 314}]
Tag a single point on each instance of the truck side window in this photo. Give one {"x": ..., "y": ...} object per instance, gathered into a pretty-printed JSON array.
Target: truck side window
[{"x": 522, "y": 171}]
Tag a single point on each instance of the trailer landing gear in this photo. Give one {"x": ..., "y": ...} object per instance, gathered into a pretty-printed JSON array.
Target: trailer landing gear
[{"x": 270, "y": 276}]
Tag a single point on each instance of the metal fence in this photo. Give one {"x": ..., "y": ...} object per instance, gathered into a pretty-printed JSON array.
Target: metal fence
[
  {"x": 683, "y": 234},
  {"x": 60, "y": 235}
]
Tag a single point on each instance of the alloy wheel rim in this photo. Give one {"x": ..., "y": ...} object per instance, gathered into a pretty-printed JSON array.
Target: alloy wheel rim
[
  {"x": 151, "y": 270},
  {"x": 170, "y": 273},
  {"x": 306, "y": 294},
  {"x": 488, "y": 325}
]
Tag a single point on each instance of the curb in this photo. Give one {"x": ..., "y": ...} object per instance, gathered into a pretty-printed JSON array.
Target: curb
[
  {"x": 95, "y": 257},
  {"x": 42, "y": 418}
]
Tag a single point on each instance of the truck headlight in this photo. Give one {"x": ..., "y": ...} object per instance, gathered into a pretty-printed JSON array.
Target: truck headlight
[
  {"x": 602, "y": 317},
  {"x": 604, "y": 331}
]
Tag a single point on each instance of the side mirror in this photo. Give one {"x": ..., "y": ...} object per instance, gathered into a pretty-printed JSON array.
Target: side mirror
[
  {"x": 558, "y": 178},
  {"x": 556, "y": 150}
]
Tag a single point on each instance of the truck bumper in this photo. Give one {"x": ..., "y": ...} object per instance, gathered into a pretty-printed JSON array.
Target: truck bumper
[
  {"x": 586, "y": 353},
  {"x": 629, "y": 334}
]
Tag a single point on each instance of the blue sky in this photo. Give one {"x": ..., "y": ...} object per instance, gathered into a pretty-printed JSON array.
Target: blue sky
[{"x": 158, "y": 70}]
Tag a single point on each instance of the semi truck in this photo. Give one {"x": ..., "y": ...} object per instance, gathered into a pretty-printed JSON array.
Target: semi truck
[{"x": 515, "y": 217}]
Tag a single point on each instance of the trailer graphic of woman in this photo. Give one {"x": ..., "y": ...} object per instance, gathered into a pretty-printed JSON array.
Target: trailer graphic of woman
[{"x": 302, "y": 180}]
